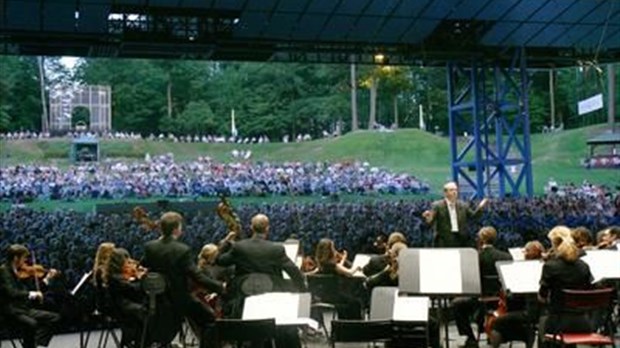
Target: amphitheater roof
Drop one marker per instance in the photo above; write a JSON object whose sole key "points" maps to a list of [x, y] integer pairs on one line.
{"points": [[554, 33]]}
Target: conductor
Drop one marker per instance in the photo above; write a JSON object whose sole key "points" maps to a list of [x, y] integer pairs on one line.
{"points": [[449, 218]]}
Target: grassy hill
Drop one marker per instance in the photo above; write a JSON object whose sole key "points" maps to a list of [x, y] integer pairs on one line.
{"points": [[408, 150]]}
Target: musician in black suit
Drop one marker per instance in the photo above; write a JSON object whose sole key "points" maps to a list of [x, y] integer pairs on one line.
{"points": [[450, 217], [464, 307], [16, 302], [174, 260], [258, 256], [377, 263]]}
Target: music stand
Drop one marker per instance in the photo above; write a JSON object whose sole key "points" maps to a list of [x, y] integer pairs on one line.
{"points": [[517, 254], [285, 307], [520, 277], [604, 264], [440, 273]]}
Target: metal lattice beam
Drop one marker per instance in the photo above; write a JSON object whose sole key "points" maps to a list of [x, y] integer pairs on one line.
{"points": [[489, 103]]}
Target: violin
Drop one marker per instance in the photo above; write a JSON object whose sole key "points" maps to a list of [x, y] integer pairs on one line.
{"points": [[132, 270], [31, 271]]}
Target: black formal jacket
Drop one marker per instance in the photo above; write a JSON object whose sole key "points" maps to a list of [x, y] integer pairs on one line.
{"points": [[487, 258], [174, 260], [558, 274], [444, 237], [13, 293], [256, 255], [375, 265]]}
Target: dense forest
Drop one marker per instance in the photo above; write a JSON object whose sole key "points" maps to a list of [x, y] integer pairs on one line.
{"points": [[273, 99]]}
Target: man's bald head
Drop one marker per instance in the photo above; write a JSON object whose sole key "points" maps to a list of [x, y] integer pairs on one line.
{"points": [[260, 224]]}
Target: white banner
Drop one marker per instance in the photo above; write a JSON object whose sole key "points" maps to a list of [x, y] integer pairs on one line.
{"points": [[591, 104]]}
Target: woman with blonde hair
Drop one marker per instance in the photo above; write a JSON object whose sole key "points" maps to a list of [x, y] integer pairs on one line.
{"points": [[563, 271]]}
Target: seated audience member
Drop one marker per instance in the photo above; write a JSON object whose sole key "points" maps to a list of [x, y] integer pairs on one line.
{"points": [[564, 271], [465, 307], [36, 327]]}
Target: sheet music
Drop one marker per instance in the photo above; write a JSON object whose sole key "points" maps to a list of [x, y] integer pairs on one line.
{"points": [[517, 254], [291, 249], [360, 260], [79, 285], [520, 277], [440, 271], [604, 264], [282, 306], [410, 308]]}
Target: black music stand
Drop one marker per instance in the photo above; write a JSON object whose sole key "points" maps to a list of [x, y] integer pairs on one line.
{"points": [[408, 316], [440, 273]]}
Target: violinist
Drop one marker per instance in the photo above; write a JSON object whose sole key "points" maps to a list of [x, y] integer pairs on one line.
{"points": [[16, 302], [389, 275], [378, 262], [329, 262], [126, 295]]}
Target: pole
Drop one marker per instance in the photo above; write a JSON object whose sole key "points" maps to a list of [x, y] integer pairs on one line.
{"points": [[611, 96], [552, 96]]}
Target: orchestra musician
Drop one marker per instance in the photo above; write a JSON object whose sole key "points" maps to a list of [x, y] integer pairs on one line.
{"points": [[609, 238], [257, 255], [35, 326], [565, 270], [389, 275], [328, 262], [464, 307], [449, 218], [125, 292], [514, 324], [173, 259], [377, 263]]}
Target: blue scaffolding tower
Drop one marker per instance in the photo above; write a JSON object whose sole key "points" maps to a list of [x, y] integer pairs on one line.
{"points": [[488, 101]]}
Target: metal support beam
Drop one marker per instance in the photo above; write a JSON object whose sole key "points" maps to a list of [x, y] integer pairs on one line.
{"points": [[489, 103]]}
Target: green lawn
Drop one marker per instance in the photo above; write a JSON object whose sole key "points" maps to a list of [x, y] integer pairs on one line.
{"points": [[422, 154]]}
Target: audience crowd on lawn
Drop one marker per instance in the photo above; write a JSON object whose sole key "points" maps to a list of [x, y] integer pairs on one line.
{"points": [[161, 176], [67, 240], [168, 137]]}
